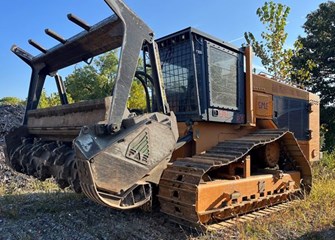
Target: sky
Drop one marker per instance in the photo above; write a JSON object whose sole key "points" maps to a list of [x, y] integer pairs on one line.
{"points": [[225, 19]]}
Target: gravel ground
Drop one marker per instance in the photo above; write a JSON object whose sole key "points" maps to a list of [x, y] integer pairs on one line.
{"points": [[26, 212], [62, 215], [10, 116], [57, 214]]}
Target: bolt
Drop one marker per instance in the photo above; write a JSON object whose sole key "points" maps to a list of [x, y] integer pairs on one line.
{"points": [[86, 129]]}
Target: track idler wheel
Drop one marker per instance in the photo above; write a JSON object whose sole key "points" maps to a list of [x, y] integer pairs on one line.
{"points": [[268, 154]]}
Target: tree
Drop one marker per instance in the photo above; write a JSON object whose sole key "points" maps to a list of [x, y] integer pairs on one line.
{"points": [[274, 57], [51, 100], [328, 128], [11, 101], [137, 97], [97, 79], [318, 45]]}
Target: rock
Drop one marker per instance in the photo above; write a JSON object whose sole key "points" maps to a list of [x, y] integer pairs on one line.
{"points": [[10, 116]]}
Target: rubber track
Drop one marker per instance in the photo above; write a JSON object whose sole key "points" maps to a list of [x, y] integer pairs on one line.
{"points": [[182, 209]]}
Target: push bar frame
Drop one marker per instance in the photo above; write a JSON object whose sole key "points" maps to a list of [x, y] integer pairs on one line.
{"points": [[124, 29]]}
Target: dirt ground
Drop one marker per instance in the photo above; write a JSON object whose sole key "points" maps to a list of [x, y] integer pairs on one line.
{"points": [[57, 214], [30, 209]]}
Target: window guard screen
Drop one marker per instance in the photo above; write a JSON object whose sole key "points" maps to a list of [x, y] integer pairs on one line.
{"points": [[179, 77], [223, 77]]}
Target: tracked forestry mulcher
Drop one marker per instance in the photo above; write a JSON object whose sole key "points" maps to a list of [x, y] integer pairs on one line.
{"points": [[214, 141]]}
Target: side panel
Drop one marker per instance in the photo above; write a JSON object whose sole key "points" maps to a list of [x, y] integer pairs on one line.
{"points": [[293, 108], [311, 148], [293, 114], [207, 135]]}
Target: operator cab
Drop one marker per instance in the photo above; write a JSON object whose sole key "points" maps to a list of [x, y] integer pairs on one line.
{"points": [[204, 77]]}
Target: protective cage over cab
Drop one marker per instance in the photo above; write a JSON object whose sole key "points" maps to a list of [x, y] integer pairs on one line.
{"points": [[204, 77]]}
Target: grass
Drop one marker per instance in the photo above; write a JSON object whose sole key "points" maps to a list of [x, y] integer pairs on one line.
{"points": [[35, 197], [12, 206], [31, 185], [311, 218], [46, 186], [14, 196]]}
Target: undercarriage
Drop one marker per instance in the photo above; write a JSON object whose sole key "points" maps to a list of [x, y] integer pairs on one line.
{"points": [[230, 179]]}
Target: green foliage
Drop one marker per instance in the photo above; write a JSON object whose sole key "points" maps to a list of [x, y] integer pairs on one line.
{"points": [[137, 97], [11, 101], [51, 100], [328, 127], [274, 57], [93, 81], [318, 47], [271, 49], [96, 81], [48, 101], [328, 161]]}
